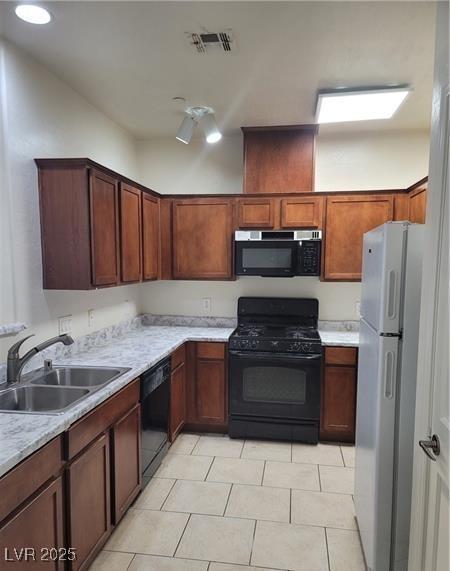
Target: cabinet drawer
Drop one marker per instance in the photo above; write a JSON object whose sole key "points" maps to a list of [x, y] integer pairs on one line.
{"points": [[211, 350], [23, 480], [101, 418], [178, 357], [341, 356]]}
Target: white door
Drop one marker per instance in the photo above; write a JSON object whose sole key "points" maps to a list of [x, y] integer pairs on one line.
{"points": [[429, 542], [375, 427], [381, 276]]}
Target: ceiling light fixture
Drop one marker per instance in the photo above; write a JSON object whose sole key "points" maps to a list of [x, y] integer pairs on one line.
{"points": [[33, 14], [204, 116], [186, 130], [365, 104]]}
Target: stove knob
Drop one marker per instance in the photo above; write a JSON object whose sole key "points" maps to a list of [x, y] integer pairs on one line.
{"points": [[254, 344], [244, 343], [274, 344]]}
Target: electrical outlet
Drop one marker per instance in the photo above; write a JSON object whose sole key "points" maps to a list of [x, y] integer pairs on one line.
{"points": [[91, 317], [358, 309], [65, 324], [206, 305]]}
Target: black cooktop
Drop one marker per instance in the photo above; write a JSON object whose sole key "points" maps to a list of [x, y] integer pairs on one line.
{"points": [[287, 325]]}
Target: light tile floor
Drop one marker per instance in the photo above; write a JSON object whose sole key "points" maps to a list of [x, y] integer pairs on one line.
{"points": [[218, 504]]}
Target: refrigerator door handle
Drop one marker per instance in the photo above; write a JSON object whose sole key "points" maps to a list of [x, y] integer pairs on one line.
{"points": [[392, 294], [389, 372]]}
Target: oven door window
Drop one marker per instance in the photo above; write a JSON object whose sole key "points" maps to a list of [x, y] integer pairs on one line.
{"points": [[274, 385], [268, 385]]}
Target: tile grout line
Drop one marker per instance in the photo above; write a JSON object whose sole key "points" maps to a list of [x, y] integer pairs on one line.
{"points": [[320, 480], [131, 561], [328, 551], [290, 505], [253, 543], [228, 499], [342, 455], [263, 473], [209, 469], [182, 535], [167, 497]]}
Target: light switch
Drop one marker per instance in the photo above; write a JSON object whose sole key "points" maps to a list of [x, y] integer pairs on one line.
{"points": [[91, 317], [206, 305]]}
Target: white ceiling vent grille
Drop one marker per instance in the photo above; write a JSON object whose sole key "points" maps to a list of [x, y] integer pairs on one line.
{"points": [[206, 42]]}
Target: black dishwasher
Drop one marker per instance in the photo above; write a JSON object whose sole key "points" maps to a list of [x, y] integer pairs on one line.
{"points": [[155, 398]]}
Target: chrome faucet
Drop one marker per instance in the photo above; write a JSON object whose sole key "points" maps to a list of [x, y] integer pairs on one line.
{"points": [[16, 363]]}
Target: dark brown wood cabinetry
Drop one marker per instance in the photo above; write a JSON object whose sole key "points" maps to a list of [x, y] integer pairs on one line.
{"points": [[150, 237], [37, 527], [89, 501], [279, 159], [126, 446], [338, 412], [130, 233], [418, 203], [207, 387], [96, 229], [202, 238], [256, 212], [177, 417], [347, 219], [305, 212]]}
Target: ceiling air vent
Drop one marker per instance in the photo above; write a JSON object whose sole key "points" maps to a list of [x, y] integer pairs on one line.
{"points": [[205, 42]]}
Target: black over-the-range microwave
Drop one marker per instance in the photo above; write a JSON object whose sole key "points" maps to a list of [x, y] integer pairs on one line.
{"points": [[284, 253]]}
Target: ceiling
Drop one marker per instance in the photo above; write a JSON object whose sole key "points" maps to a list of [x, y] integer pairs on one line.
{"points": [[131, 58]]}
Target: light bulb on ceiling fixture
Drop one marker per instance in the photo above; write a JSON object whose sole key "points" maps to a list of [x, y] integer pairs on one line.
{"points": [[212, 133], [186, 130], [33, 14]]}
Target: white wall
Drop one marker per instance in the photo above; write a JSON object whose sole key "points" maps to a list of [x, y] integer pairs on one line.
{"points": [[336, 300], [371, 161], [349, 161], [171, 167], [43, 117]]}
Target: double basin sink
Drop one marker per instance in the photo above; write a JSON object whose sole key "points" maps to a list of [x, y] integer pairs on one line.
{"points": [[53, 391]]}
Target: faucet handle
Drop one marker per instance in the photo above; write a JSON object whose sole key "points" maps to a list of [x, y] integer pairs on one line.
{"points": [[14, 349]]}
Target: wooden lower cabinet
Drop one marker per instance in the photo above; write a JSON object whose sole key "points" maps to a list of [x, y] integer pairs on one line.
{"points": [[207, 387], [89, 502], [37, 527], [126, 447], [339, 384], [177, 415]]}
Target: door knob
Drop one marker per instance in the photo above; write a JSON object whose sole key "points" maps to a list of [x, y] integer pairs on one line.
{"points": [[432, 447]]}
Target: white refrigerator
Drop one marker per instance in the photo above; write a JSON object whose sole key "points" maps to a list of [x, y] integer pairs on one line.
{"points": [[387, 366]]}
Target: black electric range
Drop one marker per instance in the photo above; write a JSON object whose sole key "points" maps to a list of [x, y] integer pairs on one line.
{"points": [[275, 364]]}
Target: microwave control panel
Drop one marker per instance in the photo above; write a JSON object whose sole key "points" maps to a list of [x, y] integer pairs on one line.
{"points": [[309, 258]]}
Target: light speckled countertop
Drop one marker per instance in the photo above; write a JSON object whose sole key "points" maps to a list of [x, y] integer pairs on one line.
{"points": [[135, 346]]}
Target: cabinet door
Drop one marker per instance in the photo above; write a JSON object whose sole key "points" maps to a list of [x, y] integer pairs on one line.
{"points": [[302, 212], [338, 404], [202, 238], [150, 236], [347, 219], [130, 233], [256, 213], [89, 502], [177, 400], [211, 392], [103, 193], [126, 461], [38, 525], [418, 205]]}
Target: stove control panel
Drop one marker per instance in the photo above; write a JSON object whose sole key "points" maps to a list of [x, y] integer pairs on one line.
{"points": [[274, 346]]}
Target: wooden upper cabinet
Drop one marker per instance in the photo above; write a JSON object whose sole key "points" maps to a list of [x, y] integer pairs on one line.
{"points": [[103, 195], [418, 204], [256, 212], [130, 233], [279, 159], [150, 237], [202, 238], [302, 212], [347, 219]]}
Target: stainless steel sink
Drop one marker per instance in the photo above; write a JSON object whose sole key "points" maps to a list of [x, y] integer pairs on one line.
{"points": [[39, 399], [77, 376], [53, 391]]}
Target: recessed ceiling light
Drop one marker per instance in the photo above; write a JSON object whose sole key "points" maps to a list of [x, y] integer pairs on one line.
{"points": [[33, 14], [342, 105]]}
